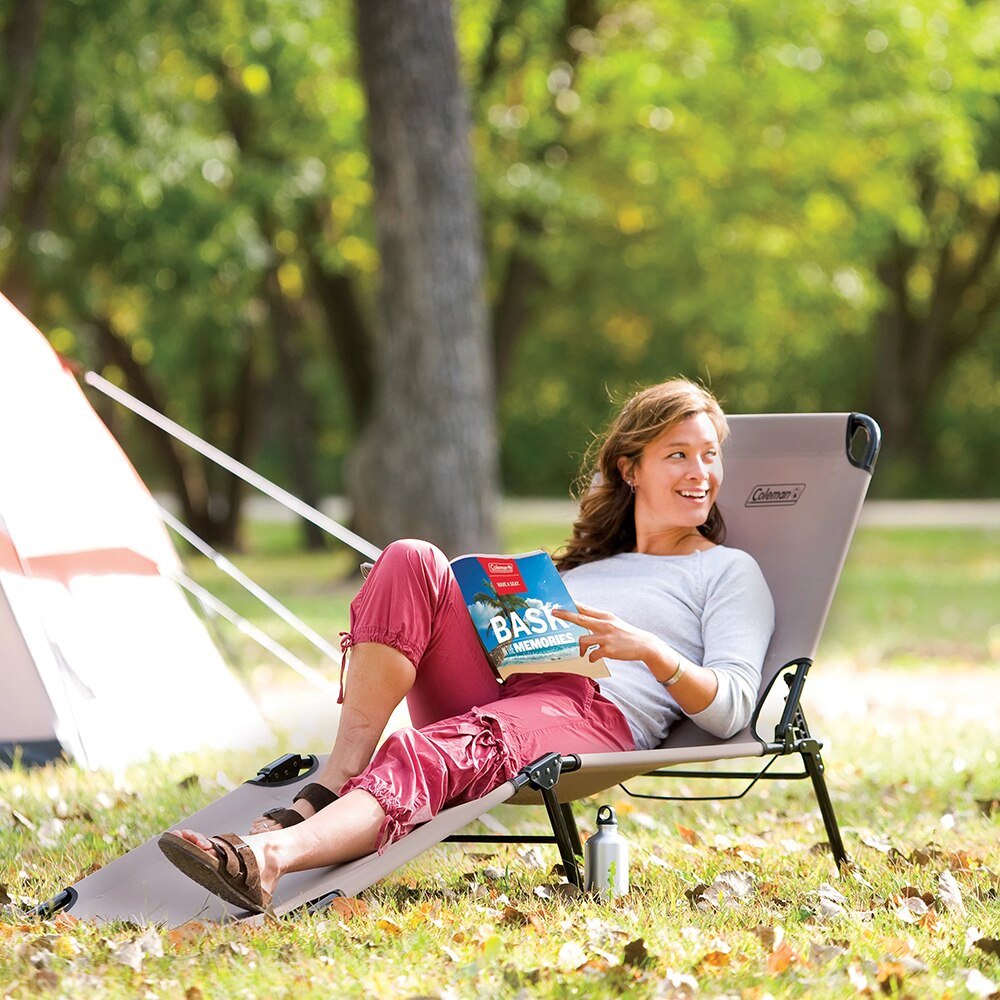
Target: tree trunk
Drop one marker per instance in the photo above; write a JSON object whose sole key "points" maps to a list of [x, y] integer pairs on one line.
{"points": [[20, 40], [298, 423], [917, 347], [426, 465]]}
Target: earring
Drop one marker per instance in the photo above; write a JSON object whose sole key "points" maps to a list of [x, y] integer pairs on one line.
{"points": [[631, 485]]}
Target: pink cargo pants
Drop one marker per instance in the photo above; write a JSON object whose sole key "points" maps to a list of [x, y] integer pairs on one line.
{"points": [[470, 733]]}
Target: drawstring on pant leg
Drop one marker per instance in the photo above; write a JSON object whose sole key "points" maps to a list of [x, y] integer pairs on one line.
{"points": [[346, 642]]}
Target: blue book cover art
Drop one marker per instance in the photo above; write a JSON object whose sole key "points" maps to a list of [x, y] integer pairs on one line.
{"points": [[510, 600]]}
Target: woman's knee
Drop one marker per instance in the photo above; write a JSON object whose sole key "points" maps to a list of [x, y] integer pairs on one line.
{"points": [[414, 554]]}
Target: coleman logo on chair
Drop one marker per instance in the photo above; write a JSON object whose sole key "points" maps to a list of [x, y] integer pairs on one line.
{"points": [[775, 495]]}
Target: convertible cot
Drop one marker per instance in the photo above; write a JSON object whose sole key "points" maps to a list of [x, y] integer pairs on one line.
{"points": [[792, 496]]}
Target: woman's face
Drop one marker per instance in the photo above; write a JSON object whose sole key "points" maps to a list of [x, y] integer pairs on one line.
{"points": [[677, 476]]}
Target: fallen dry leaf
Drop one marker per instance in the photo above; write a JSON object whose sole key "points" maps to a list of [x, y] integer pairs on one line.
{"points": [[389, 926], [718, 955], [681, 986], [858, 980], [821, 954], [890, 976], [977, 984], [781, 958], [729, 889], [512, 915], [912, 892], [769, 937], [636, 955], [897, 947], [688, 835], [348, 907], [128, 953], [571, 957], [44, 979], [909, 909], [876, 842], [186, 932], [950, 893], [557, 890]]}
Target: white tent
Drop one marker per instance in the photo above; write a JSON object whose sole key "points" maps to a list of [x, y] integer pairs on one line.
{"points": [[101, 655]]}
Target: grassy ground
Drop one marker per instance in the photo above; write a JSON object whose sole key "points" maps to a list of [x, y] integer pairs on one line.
{"points": [[729, 899]]}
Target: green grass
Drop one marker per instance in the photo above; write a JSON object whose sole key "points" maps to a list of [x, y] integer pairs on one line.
{"points": [[913, 781]]}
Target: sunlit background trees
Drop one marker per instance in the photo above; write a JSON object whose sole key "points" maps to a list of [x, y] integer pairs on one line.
{"points": [[797, 202]]}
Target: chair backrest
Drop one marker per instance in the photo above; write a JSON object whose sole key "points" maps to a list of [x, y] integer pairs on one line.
{"points": [[792, 495]]}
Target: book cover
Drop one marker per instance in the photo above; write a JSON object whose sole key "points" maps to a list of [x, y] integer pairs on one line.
{"points": [[510, 599]]}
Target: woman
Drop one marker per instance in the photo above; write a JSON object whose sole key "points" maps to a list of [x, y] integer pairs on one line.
{"points": [[682, 621]]}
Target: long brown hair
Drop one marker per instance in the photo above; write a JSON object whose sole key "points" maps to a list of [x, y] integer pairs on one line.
{"points": [[605, 524]]}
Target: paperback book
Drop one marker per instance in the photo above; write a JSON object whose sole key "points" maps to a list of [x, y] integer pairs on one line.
{"points": [[510, 600]]}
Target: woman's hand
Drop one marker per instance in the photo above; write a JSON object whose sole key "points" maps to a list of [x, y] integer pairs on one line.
{"points": [[610, 636], [695, 688]]}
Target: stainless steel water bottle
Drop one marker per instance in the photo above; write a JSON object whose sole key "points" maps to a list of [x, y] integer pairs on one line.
{"points": [[605, 857]]}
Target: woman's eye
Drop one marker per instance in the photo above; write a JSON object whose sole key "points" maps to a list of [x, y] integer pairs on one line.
{"points": [[676, 454]]}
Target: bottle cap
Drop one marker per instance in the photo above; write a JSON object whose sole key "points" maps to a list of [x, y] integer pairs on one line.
{"points": [[606, 816]]}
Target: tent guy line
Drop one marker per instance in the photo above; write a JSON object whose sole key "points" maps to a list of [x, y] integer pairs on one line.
{"points": [[237, 468], [251, 630], [269, 601]]}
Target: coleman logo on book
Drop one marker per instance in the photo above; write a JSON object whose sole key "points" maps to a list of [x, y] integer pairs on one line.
{"points": [[775, 495], [504, 575]]}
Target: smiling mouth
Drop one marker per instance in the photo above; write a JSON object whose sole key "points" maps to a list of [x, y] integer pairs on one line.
{"points": [[694, 494]]}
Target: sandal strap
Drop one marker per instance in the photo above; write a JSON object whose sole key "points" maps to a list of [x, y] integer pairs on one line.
{"points": [[284, 817], [318, 796], [240, 864]]}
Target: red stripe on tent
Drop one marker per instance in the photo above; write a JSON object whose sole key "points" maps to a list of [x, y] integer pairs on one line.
{"points": [[97, 562], [8, 555]]}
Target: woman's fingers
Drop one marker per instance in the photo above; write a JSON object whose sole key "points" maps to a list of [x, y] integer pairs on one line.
{"points": [[586, 609], [583, 616]]}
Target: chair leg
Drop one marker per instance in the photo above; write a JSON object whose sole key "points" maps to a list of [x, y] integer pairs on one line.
{"points": [[813, 761], [574, 834], [564, 838]]}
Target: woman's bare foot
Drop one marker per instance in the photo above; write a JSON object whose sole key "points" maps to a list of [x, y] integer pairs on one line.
{"points": [[267, 824]]}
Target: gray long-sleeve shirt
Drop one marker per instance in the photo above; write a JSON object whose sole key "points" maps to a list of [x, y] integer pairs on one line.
{"points": [[713, 607]]}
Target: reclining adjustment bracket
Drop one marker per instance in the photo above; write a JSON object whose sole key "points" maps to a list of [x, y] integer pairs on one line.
{"points": [[543, 773]]}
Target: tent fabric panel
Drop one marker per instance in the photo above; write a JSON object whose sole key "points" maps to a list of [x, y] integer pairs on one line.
{"points": [[131, 683], [127, 666], [82, 494], [26, 713]]}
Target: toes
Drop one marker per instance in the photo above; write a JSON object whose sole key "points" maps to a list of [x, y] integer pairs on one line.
{"points": [[197, 839]]}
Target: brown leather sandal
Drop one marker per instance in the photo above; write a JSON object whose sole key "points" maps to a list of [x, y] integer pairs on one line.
{"points": [[318, 796], [230, 871]]}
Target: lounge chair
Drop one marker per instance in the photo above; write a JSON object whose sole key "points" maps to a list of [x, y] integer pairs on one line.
{"points": [[792, 496]]}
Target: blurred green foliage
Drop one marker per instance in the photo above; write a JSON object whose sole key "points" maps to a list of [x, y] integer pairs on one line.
{"points": [[798, 203]]}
